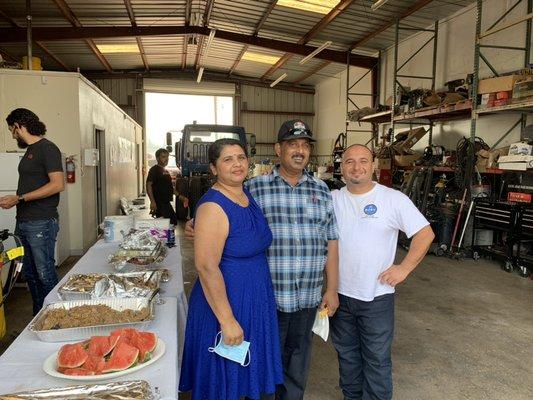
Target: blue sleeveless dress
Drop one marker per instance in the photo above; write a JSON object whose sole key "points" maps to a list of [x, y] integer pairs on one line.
{"points": [[251, 296]]}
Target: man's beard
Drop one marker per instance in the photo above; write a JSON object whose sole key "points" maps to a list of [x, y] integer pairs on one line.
{"points": [[21, 143]]}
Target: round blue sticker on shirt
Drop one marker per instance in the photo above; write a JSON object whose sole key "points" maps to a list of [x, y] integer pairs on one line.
{"points": [[370, 209]]}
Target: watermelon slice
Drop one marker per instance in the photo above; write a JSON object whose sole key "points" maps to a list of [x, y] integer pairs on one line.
{"points": [[146, 343], [127, 335], [71, 356], [77, 371], [95, 364], [100, 346], [123, 357]]}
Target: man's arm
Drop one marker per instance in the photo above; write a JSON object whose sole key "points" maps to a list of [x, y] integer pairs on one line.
{"points": [[331, 297], [150, 193], [55, 185], [419, 247]]}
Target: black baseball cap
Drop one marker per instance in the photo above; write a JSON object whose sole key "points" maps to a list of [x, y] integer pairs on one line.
{"points": [[294, 129]]}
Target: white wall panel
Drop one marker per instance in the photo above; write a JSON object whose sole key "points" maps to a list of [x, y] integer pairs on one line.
{"points": [[266, 125]]}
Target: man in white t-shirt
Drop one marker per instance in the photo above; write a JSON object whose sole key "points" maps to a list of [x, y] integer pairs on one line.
{"points": [[370, 217]]}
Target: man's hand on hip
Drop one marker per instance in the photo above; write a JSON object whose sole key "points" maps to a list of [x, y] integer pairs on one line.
{"points": [[394, 275], [331, 301], [189, 229]]}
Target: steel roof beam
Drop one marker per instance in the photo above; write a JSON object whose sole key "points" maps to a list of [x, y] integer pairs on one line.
{"points": [[207, 16], [188, 7], [69, 15], [13, 23], [312, 72], [131, 15], [313, 32], [256, 32], [411, 10], [65, 33]]}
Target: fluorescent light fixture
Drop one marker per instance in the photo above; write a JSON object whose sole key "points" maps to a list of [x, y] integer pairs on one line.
{"points": [[200, 73], [316, 6], [262, 58], [210, 39], [377, 4], [315, 52], [278, 80], [118, 48]]}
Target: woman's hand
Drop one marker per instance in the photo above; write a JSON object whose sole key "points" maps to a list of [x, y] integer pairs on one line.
{"points": [[232, 332]]}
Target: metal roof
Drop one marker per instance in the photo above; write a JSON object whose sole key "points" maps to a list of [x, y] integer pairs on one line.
{"points": [[243, 17]]}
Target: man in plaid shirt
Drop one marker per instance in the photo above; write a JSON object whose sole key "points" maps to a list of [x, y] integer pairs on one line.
{"points": [[299, 210]]}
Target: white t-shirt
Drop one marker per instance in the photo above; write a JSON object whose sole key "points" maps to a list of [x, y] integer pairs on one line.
{"points": [[368, 234]]}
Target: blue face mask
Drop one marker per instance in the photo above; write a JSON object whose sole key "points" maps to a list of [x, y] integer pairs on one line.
{"points": [[233, 353]]}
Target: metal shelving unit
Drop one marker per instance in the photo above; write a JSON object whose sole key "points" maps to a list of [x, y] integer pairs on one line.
{"points": [[520, 107]]}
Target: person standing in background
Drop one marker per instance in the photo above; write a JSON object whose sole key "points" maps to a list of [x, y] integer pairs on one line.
{"points": [[160, 190], [40, 182]]}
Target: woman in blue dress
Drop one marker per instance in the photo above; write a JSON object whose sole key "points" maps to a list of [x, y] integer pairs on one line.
{"points": [[234, 293]]}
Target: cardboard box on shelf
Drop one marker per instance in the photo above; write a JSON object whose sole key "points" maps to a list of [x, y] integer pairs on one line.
{"points": [[495, 155], [523, 89], [414, 136], [406, 160], [498, 84]]}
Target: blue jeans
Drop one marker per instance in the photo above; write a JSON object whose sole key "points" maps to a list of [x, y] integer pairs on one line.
{"points": [[39, 268], [362, 333]]}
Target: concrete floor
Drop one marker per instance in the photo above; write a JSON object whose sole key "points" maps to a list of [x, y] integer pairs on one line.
{"points": [[464, 330]]}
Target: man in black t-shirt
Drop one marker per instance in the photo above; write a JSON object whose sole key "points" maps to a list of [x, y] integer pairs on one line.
{"points": [[40, 181], [160, 190]]}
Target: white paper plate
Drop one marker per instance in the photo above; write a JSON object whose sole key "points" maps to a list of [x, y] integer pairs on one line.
{"points": [[50, 367]]}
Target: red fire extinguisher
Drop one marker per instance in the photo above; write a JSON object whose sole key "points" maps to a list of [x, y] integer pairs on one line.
{"points": [[71, 169]]}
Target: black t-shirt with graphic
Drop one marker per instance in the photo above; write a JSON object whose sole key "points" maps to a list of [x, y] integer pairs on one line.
{"points": [[161, 183], [40, 159]]}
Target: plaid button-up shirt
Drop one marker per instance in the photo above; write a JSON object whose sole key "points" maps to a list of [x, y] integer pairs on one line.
{"points": [[302, 221]]}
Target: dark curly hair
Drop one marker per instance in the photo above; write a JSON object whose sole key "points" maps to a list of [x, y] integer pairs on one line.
{"points": [[28, 119]]}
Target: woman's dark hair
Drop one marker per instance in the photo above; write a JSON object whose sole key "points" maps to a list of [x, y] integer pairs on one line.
{"points": [[28, 119], [216, 148]]}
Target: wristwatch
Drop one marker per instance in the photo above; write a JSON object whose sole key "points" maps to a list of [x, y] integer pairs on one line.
{"points": [[21, 199]]}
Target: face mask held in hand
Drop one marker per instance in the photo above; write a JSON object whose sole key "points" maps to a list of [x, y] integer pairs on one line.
{"points": [[233, 353]]}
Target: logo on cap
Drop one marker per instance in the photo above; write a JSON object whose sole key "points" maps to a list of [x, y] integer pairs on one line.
{"points": [[299, 125]]}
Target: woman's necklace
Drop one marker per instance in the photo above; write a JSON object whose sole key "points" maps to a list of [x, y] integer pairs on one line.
{"points": [[241, 200]]}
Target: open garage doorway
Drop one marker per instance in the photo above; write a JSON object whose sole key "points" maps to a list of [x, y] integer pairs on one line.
{"points": [[168, 112]]}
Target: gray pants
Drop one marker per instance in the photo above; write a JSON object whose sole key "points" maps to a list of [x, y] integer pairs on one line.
{"points": [[296, 337]]}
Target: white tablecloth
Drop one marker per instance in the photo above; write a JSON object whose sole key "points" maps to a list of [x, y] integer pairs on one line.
{"points": [[21, 364]]}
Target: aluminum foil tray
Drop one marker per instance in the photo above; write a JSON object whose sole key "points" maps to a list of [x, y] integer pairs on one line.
{"points": [[122, 284], [73, 334], [127, 390]]}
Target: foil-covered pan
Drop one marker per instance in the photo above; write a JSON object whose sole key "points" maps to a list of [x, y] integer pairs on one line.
{"points": [[127, 390], [148, 252], [126, 284], [140, 306]]}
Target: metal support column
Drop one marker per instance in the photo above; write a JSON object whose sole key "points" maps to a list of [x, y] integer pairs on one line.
{"points": [[394, 80], [29, 34]]}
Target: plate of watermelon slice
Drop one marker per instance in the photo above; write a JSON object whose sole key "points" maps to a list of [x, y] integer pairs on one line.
{"points": [[123, 352]]}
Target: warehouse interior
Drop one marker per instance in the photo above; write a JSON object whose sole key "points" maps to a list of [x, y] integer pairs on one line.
{"points": [[440, 90]]}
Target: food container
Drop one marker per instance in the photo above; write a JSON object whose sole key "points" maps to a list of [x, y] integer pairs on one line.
{"points": [[131, 390], [80, 333], [125, 284]]}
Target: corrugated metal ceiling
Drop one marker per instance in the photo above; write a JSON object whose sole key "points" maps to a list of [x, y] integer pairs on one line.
{"points": [[239, 16]]}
